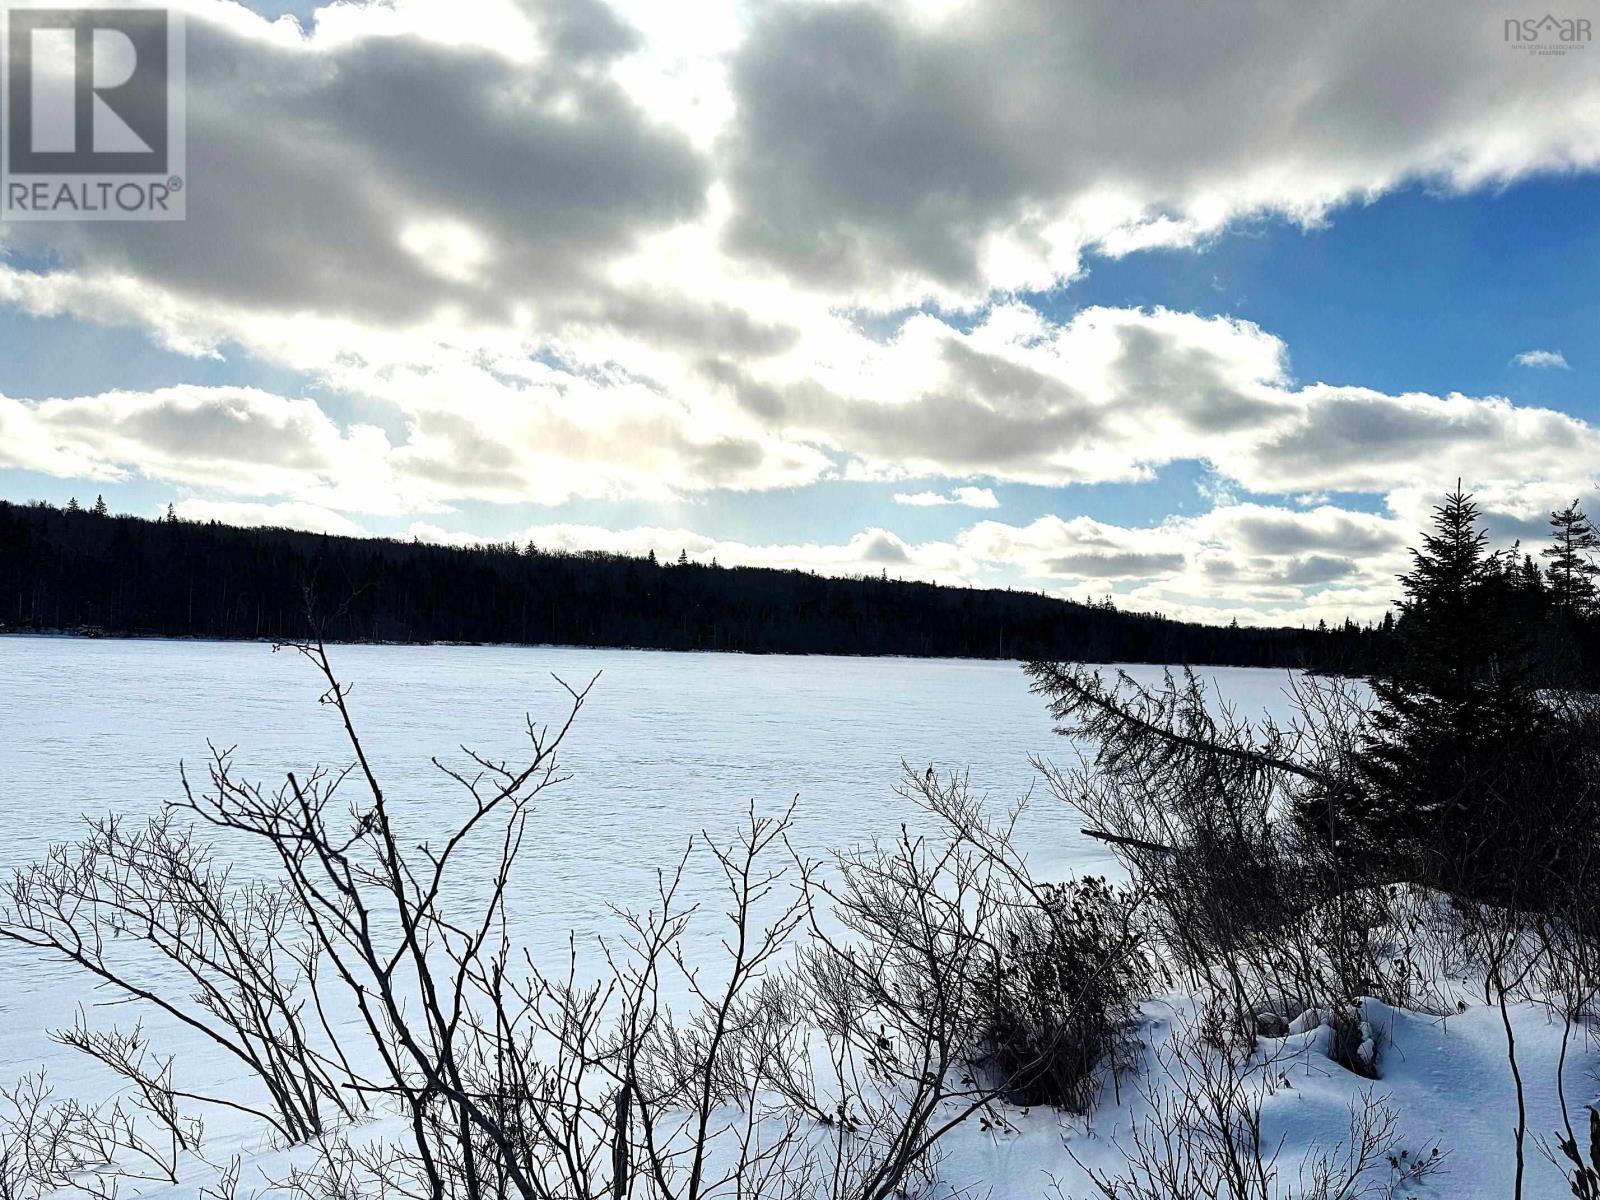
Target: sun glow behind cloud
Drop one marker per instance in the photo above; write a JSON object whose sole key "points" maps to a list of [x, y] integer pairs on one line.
{"points": [[579, 252]]}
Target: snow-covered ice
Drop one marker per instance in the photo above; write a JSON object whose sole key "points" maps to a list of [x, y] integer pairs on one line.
{"points": [[671, 744]]}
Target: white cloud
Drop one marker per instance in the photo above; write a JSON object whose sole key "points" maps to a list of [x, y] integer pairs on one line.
{"points": [[869, 552], [557, 249], [1542, 358], [543, 439], [1112, 394], [26, 445], [969, 497], [1261, 564], [566, 167], [874, 154], [285, 515], [1115, 394], [399, 164], [234, 440]]}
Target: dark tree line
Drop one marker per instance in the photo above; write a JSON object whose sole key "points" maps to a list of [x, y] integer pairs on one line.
{"points": [[74, 570]]}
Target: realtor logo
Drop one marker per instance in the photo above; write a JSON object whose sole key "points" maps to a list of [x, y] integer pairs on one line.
{"points": [[94, 120], [1548, 36]]}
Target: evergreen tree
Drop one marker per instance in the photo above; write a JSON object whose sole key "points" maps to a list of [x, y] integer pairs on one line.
{"points": [[72, 505], [1458, 709], [683, 558], [172, 513], [100, 508], [1532, 581], [1572, 569]]}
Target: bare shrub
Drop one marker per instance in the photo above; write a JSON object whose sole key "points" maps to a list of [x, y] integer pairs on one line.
{"points": [[859, 1009], [1199, 806], [49, 1145], [1059, 1002], [42, 1141], [894, 974], [1568, 979], [126, 889]]}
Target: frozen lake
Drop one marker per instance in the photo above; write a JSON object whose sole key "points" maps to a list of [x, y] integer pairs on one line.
{"points": [[668, 745]]}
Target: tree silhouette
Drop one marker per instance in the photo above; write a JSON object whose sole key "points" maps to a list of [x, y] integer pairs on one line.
{"points": [[1460, 707], [1572, 569]]}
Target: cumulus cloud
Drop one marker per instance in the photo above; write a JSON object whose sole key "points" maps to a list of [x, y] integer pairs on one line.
{"points": [[529, 164], [868, 552], [387, 172], [560, 442], [240, 440], [284, 515], [1544, 359], [1109, 395], [1257, 563], [874, 151], [558, 249], [968, 497], [1114, 394], [1101, 397], [27, 446], [1356, 439]]}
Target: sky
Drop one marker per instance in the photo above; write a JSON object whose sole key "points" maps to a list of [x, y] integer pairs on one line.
{"points": [[1199, 308]]}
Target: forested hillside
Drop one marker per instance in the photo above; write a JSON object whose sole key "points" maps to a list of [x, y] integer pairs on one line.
{"points": [[85, 571]]}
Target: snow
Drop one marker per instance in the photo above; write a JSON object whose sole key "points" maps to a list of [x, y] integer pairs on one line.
{"points": [[1446, 1079], [669, 745]]}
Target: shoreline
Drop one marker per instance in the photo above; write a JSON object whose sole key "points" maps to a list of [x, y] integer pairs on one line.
{"points": [[58, 635]]}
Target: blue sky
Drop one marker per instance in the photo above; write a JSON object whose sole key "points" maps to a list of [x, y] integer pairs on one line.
{"points": [[1416, 291], [777, 340]]}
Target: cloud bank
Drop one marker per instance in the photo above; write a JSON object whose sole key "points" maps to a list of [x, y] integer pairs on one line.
{"points": [[572, 250]]}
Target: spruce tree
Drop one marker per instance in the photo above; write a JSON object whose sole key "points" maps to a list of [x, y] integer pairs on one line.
{"points": [[1572, 569], [1458, 707], [1532, 582], [100, 509]]}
